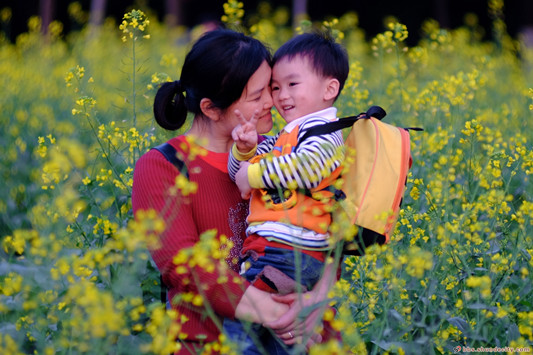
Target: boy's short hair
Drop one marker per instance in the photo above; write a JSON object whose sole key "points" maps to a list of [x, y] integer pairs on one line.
{"points": [[327, 57]]}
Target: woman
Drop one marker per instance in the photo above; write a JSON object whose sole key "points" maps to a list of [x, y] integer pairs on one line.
{"points": [[223, 73]]}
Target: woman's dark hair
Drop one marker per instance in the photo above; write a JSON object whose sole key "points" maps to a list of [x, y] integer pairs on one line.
{"points": [[217, 67]]}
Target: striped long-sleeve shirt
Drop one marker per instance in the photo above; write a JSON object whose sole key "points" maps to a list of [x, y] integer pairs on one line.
{"points": [[305, 167], [315, 159]]}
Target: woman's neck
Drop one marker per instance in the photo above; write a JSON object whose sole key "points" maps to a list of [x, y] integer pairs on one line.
{"points": [[209, 137]]}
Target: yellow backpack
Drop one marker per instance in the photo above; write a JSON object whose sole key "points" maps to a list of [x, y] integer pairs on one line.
{"points": [[375, 177]]}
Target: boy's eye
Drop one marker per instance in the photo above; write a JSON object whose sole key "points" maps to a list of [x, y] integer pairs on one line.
{"points": [[293, 84], [275, 88]]}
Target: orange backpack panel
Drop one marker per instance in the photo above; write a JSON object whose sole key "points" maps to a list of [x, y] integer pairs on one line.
{"points": [[378, 159]]}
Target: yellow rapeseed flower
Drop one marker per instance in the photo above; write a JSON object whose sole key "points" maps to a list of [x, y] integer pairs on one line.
{"points": [[133, 25], [11, 284], [233, 12], [483, 283]]}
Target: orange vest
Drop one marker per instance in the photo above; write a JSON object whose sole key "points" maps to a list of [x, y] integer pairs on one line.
{"points": [[309, 210]]}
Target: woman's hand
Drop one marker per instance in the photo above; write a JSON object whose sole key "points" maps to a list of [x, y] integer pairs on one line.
{"points": [[258, 307], [303, 320]]}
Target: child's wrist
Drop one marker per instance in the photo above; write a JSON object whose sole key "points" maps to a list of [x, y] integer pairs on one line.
{"points": [[243, 153]]}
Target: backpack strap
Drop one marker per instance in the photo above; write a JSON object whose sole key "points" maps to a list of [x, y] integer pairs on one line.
{"points": [[169, 152], [341, 123], [326, 128]]}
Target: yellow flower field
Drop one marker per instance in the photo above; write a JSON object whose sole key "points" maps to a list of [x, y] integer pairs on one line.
{"points": [[76, 114]]}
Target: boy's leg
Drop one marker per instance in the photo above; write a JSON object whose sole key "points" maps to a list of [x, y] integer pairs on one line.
{"points": [[275, 346], [296, 266], [249, 338]]}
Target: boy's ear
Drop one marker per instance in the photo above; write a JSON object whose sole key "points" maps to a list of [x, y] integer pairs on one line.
{"points": [[332, 89], [209, 110]]}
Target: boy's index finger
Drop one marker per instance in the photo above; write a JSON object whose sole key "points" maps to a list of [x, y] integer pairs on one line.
{"points": [[255, 117], [240, 116], [246, 122]]}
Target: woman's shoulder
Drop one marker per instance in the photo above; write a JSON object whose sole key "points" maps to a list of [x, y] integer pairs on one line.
{"points": [[173, 144], [155, 159], [183, 153]]}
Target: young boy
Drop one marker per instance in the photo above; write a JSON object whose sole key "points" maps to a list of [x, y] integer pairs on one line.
{"points": [[288, 178]]}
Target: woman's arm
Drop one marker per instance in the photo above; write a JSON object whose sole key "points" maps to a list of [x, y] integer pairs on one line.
{"points": [[220, 287], [306, 309]]}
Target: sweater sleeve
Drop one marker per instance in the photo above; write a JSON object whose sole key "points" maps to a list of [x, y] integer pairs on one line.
{"points": [[314, 160], [221, 287]]}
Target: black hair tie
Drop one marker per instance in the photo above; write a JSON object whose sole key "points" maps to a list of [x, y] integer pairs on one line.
{"points": [[178, 88]]}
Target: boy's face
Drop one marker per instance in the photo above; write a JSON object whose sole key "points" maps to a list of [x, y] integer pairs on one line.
{"points": [[297, 90]]}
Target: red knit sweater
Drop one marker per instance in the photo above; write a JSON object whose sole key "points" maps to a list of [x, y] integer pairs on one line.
{"points": [[216, 205]]}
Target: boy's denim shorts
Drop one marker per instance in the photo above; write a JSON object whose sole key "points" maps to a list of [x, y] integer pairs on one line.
{"points": [[254, 339], [300, 267]]}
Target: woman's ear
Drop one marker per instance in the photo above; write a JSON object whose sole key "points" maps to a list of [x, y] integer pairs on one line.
{"points": [[332, 89], [209, 110]]}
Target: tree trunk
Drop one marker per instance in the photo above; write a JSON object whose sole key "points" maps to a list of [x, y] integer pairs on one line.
{"points": [[97, 15], [174, 13], [299, 11], [46, 11], [442, 13]]}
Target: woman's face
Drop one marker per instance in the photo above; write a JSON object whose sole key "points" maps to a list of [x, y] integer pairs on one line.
{"points": [[256, 96]]}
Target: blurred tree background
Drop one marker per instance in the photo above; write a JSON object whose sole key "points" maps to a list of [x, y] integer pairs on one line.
{"points": [[449, 13]]}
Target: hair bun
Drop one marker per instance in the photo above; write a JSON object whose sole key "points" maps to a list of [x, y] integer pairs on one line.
{"points": [[170, 111]]}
